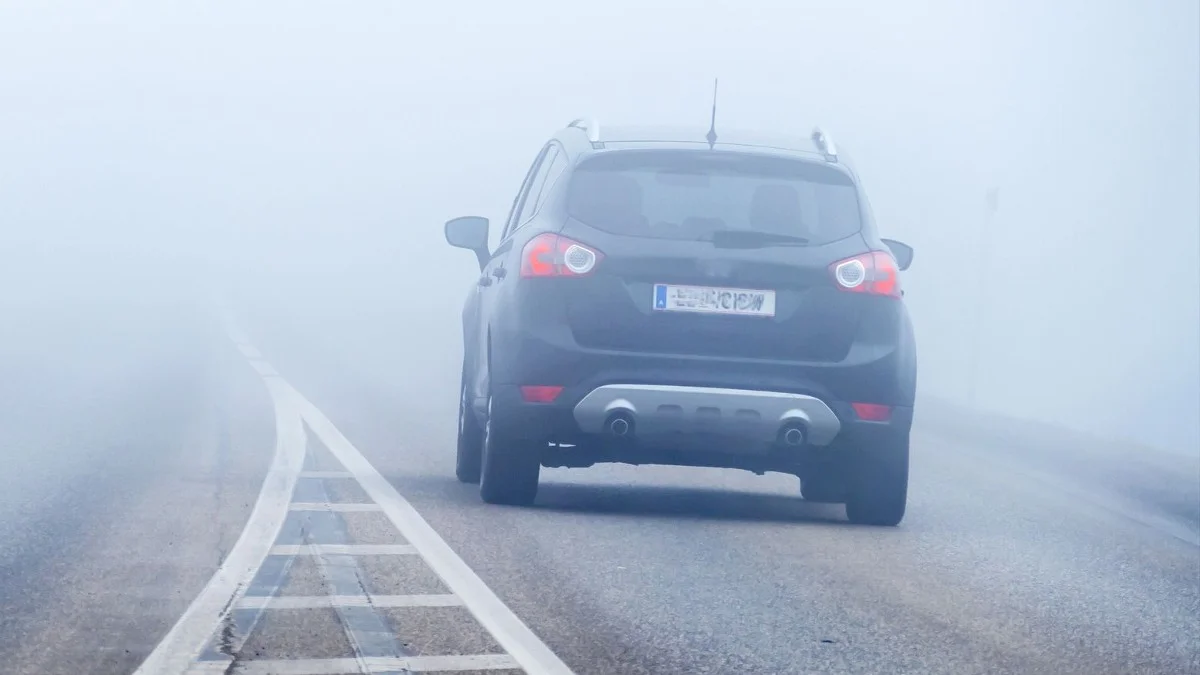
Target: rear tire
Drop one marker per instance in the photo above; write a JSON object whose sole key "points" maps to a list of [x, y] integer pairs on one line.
{"points": [[469, 458], [511, 467], [878, 486]]}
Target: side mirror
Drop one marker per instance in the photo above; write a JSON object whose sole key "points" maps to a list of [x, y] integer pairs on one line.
{"points": [[902, 251], [471, 233]]}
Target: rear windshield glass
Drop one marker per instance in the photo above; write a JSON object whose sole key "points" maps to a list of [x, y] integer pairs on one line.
{"points": [[691, 194]]}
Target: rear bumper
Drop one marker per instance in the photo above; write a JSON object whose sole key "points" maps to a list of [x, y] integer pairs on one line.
{"points": [[663, 411], [579, 414]]}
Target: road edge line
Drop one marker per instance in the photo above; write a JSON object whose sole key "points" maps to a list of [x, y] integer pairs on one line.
{"points": [[184, 642]]}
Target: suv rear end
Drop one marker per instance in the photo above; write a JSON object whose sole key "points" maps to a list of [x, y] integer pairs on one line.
{"points": [[727, 306]]}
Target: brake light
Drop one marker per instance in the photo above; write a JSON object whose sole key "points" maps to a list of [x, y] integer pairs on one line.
{"points": [[874, 273], [540, 394], [872, 412], [552, 255]]}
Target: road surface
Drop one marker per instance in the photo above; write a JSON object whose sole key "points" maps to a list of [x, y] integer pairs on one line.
{"points": [[139, 441]]}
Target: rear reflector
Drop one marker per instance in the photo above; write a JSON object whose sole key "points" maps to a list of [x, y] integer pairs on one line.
{"points": [[872, 412], [540, 394]]}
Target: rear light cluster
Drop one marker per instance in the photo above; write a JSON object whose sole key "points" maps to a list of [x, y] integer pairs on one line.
{"points": [[540, 393], [874, 273], [552, 255], [872, 412]]}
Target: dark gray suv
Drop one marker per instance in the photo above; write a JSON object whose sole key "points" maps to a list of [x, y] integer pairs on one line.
{"points": [[657, 298]]}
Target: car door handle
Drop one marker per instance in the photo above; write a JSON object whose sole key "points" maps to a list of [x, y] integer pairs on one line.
{"points": [[499, 272], [485, 280]]}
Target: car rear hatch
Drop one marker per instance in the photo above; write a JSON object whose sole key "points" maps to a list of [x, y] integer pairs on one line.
{"points": [[714, 253]]}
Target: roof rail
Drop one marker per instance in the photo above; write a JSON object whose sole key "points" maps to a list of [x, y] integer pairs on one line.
{"points": [[591, 127], [825, 144]]}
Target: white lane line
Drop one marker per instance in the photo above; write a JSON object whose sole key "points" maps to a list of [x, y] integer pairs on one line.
{"points": [[510, 632], [343, 549], [240, 339], [334, 506], [327, 601], [326, 474], [415, 664], [188, 637], [263, 368], [249, 351], [213, 668]]}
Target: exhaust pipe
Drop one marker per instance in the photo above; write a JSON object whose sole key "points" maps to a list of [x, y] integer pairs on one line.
{"points": [[792, 435], [620, 425]]}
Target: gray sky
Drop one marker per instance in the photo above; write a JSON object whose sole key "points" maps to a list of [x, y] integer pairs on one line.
{"points": [[297, 136]]}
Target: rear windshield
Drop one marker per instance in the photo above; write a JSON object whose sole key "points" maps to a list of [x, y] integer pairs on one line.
{"points": [[691, 194]]}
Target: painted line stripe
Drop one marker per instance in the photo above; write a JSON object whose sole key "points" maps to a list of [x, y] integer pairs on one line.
{"points": [[343, 549], [239, 338], [509, 631], [326, 474], [263, 368], [415, 664], [216, 667], [191, 633], [327, 601], [249, 351], [333, 506]]}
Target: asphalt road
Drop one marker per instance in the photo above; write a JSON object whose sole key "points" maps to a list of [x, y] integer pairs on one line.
{"points": [[132, 445], [134, 451]]}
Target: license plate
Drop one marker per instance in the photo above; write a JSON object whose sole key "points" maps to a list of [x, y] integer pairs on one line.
{"points": [[708, 300]]}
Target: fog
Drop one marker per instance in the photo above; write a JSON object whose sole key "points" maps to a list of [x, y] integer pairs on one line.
{"points": [[303, 157]]}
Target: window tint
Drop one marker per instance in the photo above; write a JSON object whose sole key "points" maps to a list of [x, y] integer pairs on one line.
{"points": [[529, 207], [689, 195], [557, 165], [519, 199]]}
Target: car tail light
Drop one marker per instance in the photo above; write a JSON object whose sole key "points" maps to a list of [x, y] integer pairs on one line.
{"points": [[872, 412], [552, 255], [874, 273], [540, 394]]}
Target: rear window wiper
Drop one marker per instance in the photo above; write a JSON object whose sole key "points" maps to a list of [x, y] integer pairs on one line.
{"points": [[752, 239]]}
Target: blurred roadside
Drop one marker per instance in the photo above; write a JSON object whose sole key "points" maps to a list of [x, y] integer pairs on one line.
{"points": [[1163, 485]]}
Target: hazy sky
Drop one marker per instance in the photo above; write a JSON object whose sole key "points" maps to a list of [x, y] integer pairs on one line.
{"points": [[300, 135]]}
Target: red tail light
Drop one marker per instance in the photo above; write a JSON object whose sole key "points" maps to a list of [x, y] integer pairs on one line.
{"points": [[872, 412], [874, 273], [552, 255], [540, 394]]}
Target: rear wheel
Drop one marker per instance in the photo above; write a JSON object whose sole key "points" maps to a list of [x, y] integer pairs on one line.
{"points": [[878, 486], [467, 465], [511, 467]]}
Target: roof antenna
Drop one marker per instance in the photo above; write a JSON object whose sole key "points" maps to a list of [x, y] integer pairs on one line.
{"points": [[712, 130]]}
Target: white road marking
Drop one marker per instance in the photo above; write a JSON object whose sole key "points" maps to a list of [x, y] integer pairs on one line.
{"points": [[240, 339], [249, 351], [326, 474], [179, 650], [327, 601], [213, 668], [416, 664], [343, 549], [510, 632], [263, 368], [188, 637], [334, 506]]}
